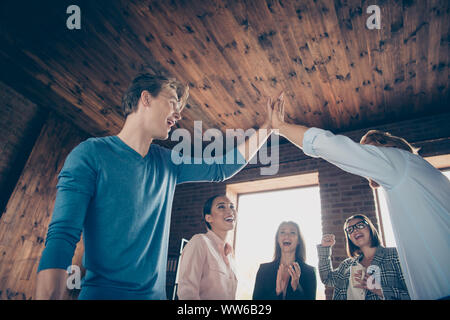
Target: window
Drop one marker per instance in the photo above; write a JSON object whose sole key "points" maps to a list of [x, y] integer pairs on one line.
{"points": [[447, 173], [385, 220], [259, 215]]}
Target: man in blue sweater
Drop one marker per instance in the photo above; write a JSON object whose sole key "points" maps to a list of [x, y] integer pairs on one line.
{"points": [[118, 191]]}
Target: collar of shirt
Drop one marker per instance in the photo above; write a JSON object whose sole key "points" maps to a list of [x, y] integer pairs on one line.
{"points": [[223, 247], [379, 254]]}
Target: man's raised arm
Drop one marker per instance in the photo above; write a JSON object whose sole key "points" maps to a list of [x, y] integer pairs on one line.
{"points": [[367, 161], [219, 168], [255, 142]]}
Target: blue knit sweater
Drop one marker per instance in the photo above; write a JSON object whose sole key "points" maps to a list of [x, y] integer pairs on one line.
{"points": [[121, 202]]}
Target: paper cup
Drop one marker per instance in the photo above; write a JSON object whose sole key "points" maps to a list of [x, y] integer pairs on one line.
{"points": [[353, 271]]}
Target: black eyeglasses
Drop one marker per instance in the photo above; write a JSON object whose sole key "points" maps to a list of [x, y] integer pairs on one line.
{"points": [[359, 225]]}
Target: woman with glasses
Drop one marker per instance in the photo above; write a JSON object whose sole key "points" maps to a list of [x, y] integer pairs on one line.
{"points": [[372, 272], [287, 277]]}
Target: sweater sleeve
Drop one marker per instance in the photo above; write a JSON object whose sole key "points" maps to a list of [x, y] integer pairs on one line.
{"points": [[192, 169], [76, 185]]}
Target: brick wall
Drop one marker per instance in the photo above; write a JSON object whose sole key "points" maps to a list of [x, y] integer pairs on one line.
{"points": [[342, 194]]}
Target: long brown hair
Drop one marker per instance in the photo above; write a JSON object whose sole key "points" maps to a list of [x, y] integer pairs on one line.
{"points": [[300, 250], [352, 249], [385, 139]]}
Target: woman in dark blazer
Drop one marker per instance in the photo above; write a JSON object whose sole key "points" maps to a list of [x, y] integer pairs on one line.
{"points": [[287, 277]]}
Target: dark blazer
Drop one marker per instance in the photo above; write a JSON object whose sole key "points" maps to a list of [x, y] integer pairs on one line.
{"points": [[266, 278]]}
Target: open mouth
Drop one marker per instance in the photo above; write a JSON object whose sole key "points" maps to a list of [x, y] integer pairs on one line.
{"points": [[359, 236], [229, 219], [170, 123], [286, 243]]}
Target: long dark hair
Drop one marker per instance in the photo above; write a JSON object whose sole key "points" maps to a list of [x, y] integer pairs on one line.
{"points": [[300, 250], [352, 249], [385, 139]]}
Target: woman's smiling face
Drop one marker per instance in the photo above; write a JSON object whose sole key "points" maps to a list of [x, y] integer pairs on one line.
{"points": [[287, 237], [223, 214], [359, 237]]}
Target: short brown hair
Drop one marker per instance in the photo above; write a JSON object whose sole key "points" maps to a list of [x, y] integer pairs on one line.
{"points": [[153, 84], [385, 139], [353, 250]]}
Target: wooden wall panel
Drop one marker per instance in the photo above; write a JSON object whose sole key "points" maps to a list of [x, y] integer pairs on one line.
{"points": [[20, 124], [337, 74], [23, 226]]}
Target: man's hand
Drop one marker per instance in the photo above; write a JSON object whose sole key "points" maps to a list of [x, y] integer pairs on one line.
{"points": [[51, 284], [278, 112], [274, 113], [256, 141], [294, 133]]}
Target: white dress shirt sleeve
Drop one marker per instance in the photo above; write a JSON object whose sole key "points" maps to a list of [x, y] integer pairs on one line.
{"points": [[386, 166]]}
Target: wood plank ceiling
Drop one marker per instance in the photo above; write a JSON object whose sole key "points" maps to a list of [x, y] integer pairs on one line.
{"points": [[336, 73]]}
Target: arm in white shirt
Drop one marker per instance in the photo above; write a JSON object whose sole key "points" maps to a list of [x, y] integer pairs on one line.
{"points": [[383, 165]]}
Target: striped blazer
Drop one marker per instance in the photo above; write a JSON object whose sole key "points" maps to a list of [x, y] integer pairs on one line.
{"points": [[391, 276]]}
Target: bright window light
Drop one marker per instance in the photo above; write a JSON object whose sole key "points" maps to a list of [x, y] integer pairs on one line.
{"points": [[259, 216], [447, 173], [386, 220]]}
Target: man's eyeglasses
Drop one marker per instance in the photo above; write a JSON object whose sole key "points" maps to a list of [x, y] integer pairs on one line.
{"points": [[176, 104], [359, 225]]}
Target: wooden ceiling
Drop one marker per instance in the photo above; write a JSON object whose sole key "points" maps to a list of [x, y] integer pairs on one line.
{"points": [[336, 73]]}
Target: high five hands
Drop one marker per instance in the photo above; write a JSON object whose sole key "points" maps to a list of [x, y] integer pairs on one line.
{"points": [[285, 272], [274, 112], [274, 121]]}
